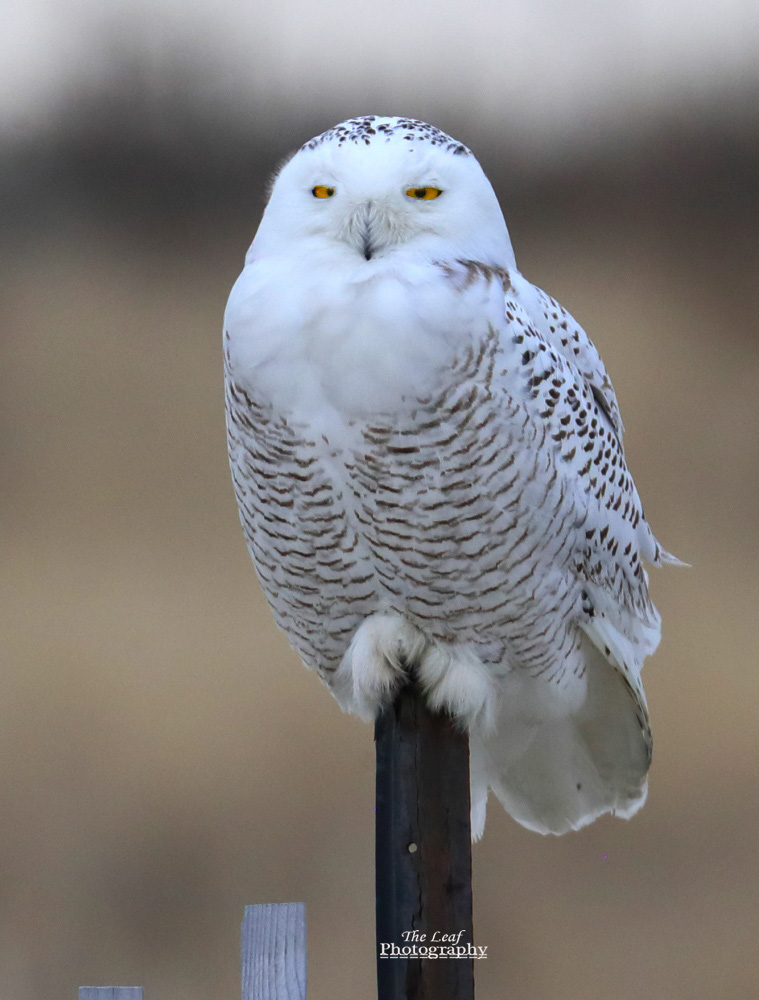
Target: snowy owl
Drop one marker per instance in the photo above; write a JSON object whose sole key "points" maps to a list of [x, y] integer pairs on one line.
{"points": [[427, 457]]}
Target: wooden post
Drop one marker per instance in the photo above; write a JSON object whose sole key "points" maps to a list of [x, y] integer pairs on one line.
{"points": [[274, 952], [110, 993], [423, 851]]}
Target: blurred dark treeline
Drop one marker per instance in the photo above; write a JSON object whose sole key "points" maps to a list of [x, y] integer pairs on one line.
{"points": [[151, 147]]}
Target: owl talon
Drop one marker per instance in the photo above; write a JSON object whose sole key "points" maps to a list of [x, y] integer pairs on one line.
{"points": [[455, 680], [373, 668]]}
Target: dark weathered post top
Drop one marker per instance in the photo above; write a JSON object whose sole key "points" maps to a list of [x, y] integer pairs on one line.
{"points": [[423, 852]]}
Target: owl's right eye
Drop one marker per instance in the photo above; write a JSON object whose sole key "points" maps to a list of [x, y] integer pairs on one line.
{"points": [[320, 191]]}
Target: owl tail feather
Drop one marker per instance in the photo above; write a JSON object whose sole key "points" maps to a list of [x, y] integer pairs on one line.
{"points": [[557, 772]]}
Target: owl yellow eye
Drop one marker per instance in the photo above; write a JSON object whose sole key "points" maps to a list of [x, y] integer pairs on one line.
{"points": [[424, 194], [320, 191]]}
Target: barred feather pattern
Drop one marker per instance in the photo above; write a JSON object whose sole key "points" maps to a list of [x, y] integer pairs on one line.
{"points": [[491, 513]]}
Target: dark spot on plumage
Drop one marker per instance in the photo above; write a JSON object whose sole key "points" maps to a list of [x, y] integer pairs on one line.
{"points": [[358, 130]]}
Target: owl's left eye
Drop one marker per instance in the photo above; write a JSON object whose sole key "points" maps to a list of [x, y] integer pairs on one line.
{"points": [[423, 193], [322, 191]]}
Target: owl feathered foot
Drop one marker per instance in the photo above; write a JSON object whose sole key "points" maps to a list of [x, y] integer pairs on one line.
{"points": [[375, 666]]}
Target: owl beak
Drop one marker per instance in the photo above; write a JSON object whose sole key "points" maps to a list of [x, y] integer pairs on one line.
{"points": [[367, 228], [367, 241], [364, 230]]}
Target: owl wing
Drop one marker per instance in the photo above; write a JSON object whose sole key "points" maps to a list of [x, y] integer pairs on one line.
{"points": [[553, 368], [564, 419], [559, 329]]}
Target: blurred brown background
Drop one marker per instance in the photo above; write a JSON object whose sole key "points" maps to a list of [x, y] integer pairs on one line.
{"points": [[164, 758]]}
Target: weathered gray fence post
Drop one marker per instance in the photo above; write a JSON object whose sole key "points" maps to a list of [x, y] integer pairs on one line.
{"points": [[110, 993], [274, 952], [423, 852]]}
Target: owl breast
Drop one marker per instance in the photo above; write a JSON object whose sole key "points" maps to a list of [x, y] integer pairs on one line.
{"points": [[352, 341], [426, 510]]}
